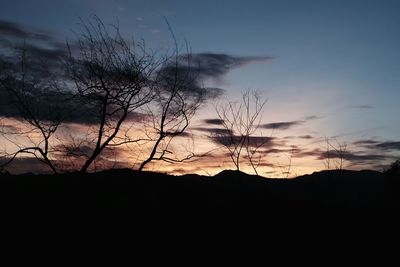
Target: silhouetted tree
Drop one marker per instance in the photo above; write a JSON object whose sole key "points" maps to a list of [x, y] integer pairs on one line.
{"points": [[177, 98], [108, 82], [35, 99], [111, 75], [241, 122], [336, 154], [394, 170]]}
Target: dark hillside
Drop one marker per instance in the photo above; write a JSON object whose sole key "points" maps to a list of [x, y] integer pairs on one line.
{"points": [[227, 191]]}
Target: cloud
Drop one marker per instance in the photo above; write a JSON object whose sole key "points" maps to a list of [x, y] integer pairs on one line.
{"points": [[214, 66], [39, 45], [137, 117], [214, 131], [7, 128], [284, 125], [254, 141], [14, 30], [361, 157], [281, 125], [379, 145], [312, 117], [48, 54], [27, 165], [388, 146], [49, 106], [366, 142], [298, 153], [364, 106], [305, 136], [192, 70], [354, 157], [214, 121], [276, 151], [42, 45]]}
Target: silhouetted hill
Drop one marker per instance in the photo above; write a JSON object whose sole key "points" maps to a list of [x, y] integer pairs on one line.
{"points": [[123, 189]]}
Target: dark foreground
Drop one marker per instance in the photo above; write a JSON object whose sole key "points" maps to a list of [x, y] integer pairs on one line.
{"points": [[123, 204], [229, 191]]}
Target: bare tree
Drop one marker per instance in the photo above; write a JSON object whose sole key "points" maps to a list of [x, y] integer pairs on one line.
{"points": [[177, 98], [111, 76], [341, 154], [241, 123], [107, 80], [286, 170], [327, 161], [34, 99], [337, 152]]}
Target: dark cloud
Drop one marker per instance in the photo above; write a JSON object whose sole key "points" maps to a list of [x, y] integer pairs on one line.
{"points": [[48, 106], [11, 29], [298, 153], [366, 142], [43, 47], [276, 151], [305, 136], [213, 131], [281, 125], [212, 65], [254, 141], [137, 117], [284, 125], [39, 45], [354, 157], [8, 128], [312, 117], [82, 149], [213, 92], [193, 69], [378, 145], [27, 165], [388, 146], [214, 121], [364, 106], [47, 54]]}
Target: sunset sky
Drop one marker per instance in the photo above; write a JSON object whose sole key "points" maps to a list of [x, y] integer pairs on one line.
{"points": [[329, 68]]}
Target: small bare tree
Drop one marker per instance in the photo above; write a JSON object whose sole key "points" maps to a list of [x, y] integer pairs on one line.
{"points": [[111, 76], [337, 153], [241, 123], [35, 97], [177, 98]]}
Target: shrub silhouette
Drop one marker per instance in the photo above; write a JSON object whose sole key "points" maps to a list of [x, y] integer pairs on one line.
{"points": [[394, 170]]}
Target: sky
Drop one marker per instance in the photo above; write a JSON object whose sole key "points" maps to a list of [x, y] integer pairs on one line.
{"points": [[329, 69]]}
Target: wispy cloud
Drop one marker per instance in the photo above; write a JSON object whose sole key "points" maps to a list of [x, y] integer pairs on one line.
{"points": [[367, 142], [214, 66], [379, 145], [307, 136], [284, 125], [10, 29], [359, 157], [363, 106], [253, 141], [38, 44], [196, 68], [214, 121], [312, 117], [213, 131]]}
